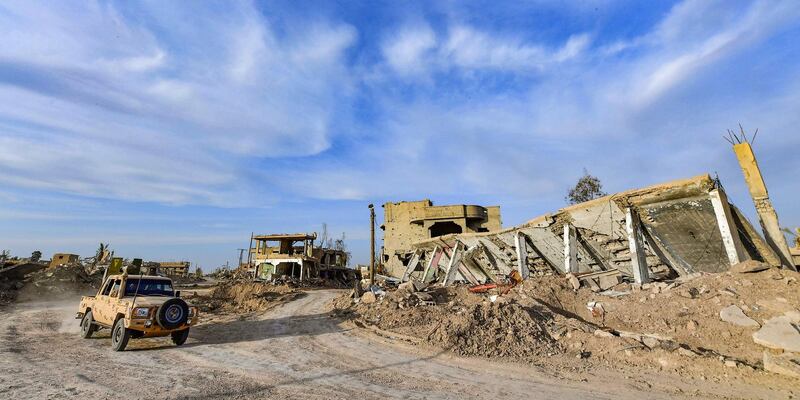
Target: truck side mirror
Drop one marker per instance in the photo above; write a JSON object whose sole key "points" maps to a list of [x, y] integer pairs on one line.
{"points": [[177, 293]]}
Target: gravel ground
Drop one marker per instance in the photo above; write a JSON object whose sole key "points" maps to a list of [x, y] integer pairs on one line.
{"points": [[294, 350]]}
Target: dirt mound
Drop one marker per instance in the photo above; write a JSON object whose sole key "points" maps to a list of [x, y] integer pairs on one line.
{"points": [[67, 281], [243, 297], [492, 329], [462, 322]]}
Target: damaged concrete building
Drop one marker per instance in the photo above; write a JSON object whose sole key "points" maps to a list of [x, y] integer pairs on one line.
{"points": [[63, 259], [408, 222], [662, 231], [174, 268], [294, 256]]}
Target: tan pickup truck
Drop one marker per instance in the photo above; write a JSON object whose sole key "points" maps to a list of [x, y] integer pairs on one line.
{"points": [[137, 306]]}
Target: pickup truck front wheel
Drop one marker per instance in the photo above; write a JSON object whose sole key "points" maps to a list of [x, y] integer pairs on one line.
{"points": [[87, 325], [120, 335], [179, 337]]}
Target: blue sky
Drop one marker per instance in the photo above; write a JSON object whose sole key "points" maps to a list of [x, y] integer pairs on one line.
{"points": [[174, 129]]}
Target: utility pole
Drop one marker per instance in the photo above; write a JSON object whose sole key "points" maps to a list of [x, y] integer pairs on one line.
{"points": [[372, 245], [250, 250], [241, 256]]}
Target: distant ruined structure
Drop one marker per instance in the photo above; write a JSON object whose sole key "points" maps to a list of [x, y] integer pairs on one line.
{"points": [[294, 256]]}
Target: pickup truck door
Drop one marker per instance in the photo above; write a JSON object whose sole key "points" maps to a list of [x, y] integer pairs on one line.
{"points": [[102, 309]]}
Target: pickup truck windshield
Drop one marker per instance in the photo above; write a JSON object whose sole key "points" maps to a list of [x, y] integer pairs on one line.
{"points": [[149, 287]]}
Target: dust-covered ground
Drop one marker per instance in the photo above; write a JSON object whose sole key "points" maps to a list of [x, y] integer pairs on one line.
{"points": [[672, 331], [295, 349]]}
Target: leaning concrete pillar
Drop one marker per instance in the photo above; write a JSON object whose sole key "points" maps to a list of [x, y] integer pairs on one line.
{"points": [[570, 250], [766, 213], [727, 227], [522, 254], [636, 244]]}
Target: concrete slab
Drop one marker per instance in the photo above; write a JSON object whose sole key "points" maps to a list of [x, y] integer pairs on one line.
{"points": [[780, 333], [785, 364], [735, 315]]}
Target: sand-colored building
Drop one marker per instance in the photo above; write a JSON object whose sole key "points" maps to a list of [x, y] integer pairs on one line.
{"points": [[175, 268], [294, 255], [407, 222], [63, 259]]}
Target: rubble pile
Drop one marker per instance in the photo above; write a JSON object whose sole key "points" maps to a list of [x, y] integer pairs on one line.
{"points": [[186, 280], [8, 290], [52, 283], [460, 321], [719, 313], [497, 329], [242, 297], [739, 322]]}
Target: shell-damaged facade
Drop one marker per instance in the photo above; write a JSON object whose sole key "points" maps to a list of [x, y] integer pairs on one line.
{"points": [[408, 222]]}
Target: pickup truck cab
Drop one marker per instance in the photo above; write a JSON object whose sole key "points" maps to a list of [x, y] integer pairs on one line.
{"points": [[136, 306]]}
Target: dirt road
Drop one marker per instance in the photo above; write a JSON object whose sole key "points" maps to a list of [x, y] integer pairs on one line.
{"points": [[295, 350]]}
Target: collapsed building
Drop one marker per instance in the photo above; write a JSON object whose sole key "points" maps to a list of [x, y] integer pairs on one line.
{"points": [[658, 232], [294, 256], [408, 222]]}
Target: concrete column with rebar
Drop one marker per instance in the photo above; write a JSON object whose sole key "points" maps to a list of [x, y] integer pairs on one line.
{"points": [[766, 213]]}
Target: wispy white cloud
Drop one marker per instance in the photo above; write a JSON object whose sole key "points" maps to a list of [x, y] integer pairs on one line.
{"points": [[97, 103], [407, 51], [698, 34], [467, 47], [597, 107], [416, 50]]}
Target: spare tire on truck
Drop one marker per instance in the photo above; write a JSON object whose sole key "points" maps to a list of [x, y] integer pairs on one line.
{"points": [[172, 314]]}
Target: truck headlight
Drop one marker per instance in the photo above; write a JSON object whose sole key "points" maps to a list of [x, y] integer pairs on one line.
{"points": [[141, 312]]}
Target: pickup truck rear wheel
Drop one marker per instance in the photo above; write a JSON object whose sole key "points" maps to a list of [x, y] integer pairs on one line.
{"points": [[87, 325], [120, 335], [179, 337]]}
